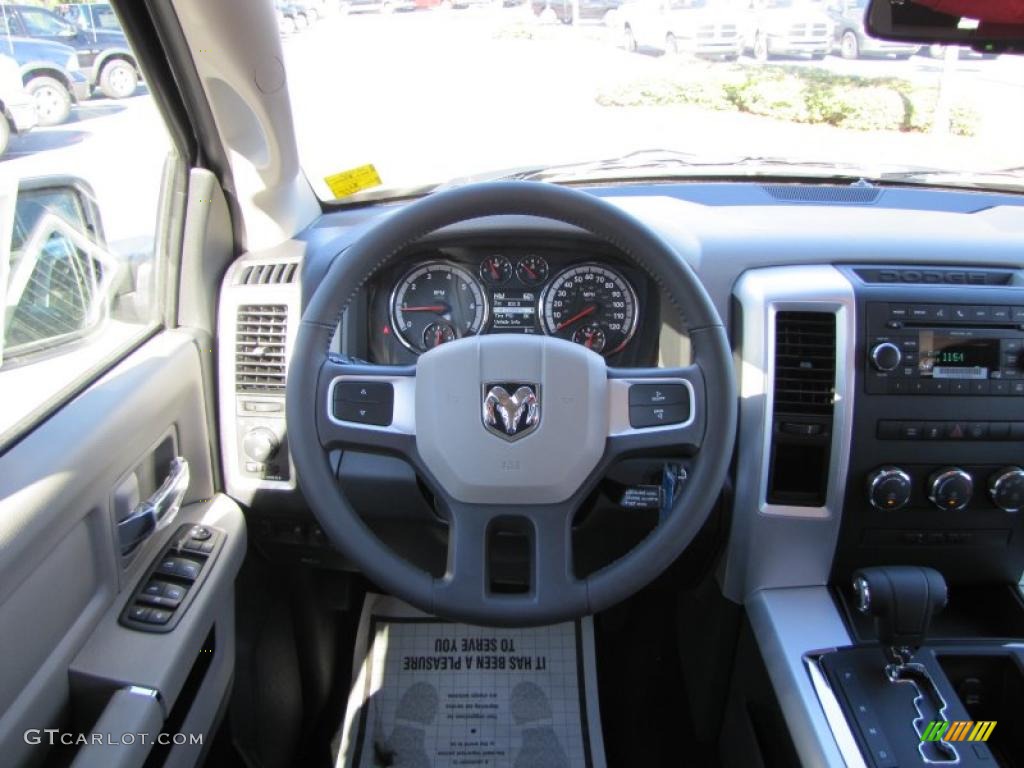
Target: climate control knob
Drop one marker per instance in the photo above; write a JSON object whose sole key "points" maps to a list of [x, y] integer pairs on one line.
{"points": [[1006, 488], [886, 356], [950, 488], [260, 444], [889, 488]]}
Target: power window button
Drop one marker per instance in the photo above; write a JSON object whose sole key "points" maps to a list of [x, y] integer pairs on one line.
{"points": [[139, 613], [182, 567]]}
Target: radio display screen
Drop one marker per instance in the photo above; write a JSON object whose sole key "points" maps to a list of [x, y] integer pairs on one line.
{"points": [[951, 356]]}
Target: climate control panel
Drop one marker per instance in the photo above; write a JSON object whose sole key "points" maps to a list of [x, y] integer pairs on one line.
{"points": [[950, 489]]}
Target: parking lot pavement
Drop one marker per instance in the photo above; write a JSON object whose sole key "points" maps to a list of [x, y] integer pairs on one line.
{"points": [[435, 95]]}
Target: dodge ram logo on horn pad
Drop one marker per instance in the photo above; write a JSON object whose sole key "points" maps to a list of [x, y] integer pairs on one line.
{"points": [[511, 416]]}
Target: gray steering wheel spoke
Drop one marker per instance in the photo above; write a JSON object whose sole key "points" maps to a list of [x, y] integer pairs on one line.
{"points": [[469, 585], [656, 409], [364, 406]]}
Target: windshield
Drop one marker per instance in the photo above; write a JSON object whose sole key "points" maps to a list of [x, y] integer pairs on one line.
{"points": [[430, 94]]}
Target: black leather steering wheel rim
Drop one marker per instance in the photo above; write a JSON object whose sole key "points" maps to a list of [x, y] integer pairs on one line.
{"points": [[311, 364]]}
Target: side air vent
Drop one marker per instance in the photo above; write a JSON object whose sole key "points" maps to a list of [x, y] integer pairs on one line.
{"points": [[799, 193], [260, 361], [268, 274], [805, 362], [802, 418]]}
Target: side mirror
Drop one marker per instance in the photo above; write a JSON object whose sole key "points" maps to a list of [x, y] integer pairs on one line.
{"points": [[990, 27], [57, 277]]}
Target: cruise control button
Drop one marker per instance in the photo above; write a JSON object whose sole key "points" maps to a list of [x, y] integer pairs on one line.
{"points": [[378, 414], [641, 416], [364, 392], [659, 394]]}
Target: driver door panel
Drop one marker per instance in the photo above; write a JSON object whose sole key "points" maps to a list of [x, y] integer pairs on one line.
{"points": [[63, 580]]}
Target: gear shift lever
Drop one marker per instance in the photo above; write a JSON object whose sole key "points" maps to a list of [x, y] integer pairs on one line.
{"points": [[903, 599]]}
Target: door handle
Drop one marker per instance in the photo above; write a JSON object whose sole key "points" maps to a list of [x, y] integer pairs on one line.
{"points": [[156, 512]]}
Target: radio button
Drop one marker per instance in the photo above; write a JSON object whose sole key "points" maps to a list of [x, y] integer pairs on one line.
{"points": [[999, 387], [1001, 314], [980, 387], [899, 386], [938, 387], [1017, 430], [961, 388], [898, 311], [961, 312], [1018, 314], [940, 313], [886, 356], [932, 431], [1017, 387], [920, 312], [981, 314]]}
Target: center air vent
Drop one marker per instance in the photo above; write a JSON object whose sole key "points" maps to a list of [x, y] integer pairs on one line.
{"points": [[804, 392], [268, 274], [805, 362], [260, 361]]}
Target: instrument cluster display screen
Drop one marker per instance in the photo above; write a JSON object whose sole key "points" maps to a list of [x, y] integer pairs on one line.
{"points": [[514, 311], [956, 356]]}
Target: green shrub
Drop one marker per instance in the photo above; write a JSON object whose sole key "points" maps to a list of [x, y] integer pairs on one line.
{"points": [[797, 94]]}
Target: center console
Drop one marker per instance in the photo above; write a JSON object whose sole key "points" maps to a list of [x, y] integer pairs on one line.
{"points": [[914, 465]]}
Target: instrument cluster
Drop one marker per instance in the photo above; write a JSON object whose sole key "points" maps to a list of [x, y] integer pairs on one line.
{"points": [[438, 295]]}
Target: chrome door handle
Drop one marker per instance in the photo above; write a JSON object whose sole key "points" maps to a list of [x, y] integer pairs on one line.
{"points": [[156, 512]]}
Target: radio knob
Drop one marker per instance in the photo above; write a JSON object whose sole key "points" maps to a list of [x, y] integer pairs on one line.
{"points": [[889, 488], [950, 488], [1006, 487], [260, 444], [886, 356]]}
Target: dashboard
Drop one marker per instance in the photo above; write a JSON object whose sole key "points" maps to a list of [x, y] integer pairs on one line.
{"points": [[581, 291]]}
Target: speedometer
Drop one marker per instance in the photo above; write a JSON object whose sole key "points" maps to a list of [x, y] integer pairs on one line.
{"points": [[592, 305], [435, 303]]}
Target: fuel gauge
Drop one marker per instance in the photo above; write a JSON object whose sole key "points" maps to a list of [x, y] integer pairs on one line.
{"points": [[532, 270]]}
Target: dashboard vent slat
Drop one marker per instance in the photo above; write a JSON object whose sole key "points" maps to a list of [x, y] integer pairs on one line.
{"points": [[280, 273], [805, 363], [260, 362]]}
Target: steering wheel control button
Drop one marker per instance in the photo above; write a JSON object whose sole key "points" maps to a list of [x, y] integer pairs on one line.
{"points": [[365, 402], [644, 416], [659, 394], [375, 414], [364, 392]]}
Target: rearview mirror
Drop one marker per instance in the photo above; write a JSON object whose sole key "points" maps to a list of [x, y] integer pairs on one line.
{"points": [[986, 27], [56, 274]]}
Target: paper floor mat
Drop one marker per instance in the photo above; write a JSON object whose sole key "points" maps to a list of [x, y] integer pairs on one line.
{"points": [[428, 693]]}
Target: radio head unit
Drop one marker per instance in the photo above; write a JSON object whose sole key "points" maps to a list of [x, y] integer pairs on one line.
{"points": [[945, 349]]}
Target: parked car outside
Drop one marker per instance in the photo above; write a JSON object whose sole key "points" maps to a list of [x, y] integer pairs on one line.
{"points": [[789, 28], [851, 37], [103, 54], [564, 10], [50, 73], [708, 28], [17, 109]]}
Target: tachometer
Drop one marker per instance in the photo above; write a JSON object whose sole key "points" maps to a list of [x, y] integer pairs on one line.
{"points": [[437, 302], [591, 305]]}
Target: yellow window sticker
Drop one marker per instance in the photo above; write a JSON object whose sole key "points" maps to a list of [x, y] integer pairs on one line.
{"points": [[355, 180]]}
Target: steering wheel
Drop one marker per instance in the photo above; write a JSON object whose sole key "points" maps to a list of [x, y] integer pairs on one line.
{"points": [[529, 453]]}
